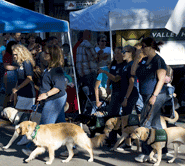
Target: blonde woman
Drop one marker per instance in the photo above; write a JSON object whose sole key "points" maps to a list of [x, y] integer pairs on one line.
{"points": [[25, 86]]}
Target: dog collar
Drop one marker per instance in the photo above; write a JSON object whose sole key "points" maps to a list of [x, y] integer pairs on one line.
{"points": [[33, 135], [15, 117]]}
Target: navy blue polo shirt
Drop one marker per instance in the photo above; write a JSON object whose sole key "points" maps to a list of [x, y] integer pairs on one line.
{"points": [[53, 78], [26, 69], [116, 69], [147, 74]]}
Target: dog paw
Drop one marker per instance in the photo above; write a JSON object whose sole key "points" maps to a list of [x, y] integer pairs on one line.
{"points": [[5, 147], [156, 164], [170, 161], [48, 162], [27, 160], [153, 160], [65, 161], [90, 160]]}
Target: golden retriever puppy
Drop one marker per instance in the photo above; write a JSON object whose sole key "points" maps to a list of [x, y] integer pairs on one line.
{"points": [[116, 123], [175, 135], [52, 136]]}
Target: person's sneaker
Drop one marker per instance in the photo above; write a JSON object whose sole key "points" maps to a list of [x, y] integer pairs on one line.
{"points": [[124, 147], [141, 158], [26, 151], [23, 141], [66, 154]]}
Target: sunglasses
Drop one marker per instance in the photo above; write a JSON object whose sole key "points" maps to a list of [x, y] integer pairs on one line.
{"points": [[103, 40], [124, 51]]}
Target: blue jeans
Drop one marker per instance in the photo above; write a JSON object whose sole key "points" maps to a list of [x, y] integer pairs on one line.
{"points": [[154, 120], [53, 110], [139, 104]]}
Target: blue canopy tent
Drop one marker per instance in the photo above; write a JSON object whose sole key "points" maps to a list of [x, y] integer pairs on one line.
{"points": [[18, 19], [14, 18]]}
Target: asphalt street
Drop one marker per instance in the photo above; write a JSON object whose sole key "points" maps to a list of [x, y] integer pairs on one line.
{"points": [[102, 156]]}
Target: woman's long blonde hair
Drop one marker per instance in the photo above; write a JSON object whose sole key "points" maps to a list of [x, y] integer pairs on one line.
{"points": [[23, 54]]}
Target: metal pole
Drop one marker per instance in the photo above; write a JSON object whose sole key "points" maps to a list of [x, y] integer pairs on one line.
{"points": [[42, 35], [110, 31], [75, 79]]}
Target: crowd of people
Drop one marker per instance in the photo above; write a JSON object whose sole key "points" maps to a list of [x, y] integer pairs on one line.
{"points": [[134, 77]]}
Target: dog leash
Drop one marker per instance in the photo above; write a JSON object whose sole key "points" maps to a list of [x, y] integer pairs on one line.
{"points": [[34, 108]]}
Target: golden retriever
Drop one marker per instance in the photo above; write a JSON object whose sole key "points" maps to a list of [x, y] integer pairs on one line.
{"points": [[116, 123], [175, 135], [52, 136]]}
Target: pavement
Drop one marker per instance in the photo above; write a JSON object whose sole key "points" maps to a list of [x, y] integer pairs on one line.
{"points": [[102, 156]]}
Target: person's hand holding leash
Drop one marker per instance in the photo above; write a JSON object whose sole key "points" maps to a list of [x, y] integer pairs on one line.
{"points": [[167, 79], [98, 104], [152, 99], [14, 90], [42, 96]]}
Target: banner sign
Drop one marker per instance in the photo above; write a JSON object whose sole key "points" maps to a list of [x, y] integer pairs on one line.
{"points": [[166, 35], [73, 5]]}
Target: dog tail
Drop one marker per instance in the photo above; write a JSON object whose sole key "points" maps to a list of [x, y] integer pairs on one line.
{"points": [[174, 119], [98, 140]]}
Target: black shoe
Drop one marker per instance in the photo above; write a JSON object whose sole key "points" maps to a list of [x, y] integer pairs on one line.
{"points": [[124, 147]]}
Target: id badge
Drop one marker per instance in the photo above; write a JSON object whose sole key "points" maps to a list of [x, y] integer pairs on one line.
{"points": [[113, 67]]}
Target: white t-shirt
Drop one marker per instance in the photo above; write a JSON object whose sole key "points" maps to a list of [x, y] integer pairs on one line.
{"points": [[106, 50]]}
